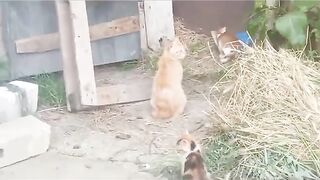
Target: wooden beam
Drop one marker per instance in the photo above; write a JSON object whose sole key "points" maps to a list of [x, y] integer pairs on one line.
{"points": [[114, 28], [67, 51], [159, 21], [83, 53], [48, 42], [38, 44], [142, 22], [124, 93], [76, 53]]}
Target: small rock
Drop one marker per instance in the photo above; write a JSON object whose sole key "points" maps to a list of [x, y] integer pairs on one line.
{"points": [[139, 117], [131, 118], [76, 146], [123, 136]]}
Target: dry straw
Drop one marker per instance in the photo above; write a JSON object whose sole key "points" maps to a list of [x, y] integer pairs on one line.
{"points": [[273, 105]]}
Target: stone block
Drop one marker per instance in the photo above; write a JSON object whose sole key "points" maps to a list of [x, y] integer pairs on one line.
{"points": [[10, 107], [23, 138], [29, 95]]}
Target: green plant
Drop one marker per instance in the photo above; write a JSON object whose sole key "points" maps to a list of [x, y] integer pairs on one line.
{"points": [[4, 69], [125, 66], [221, 155], [224, 155], [196, 46], [295, 21], [51, 89]]}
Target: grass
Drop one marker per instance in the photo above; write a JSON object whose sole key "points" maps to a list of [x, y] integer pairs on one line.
{"points": [[168, 167], [51, 89], [125, 66], [221, 155], [4, 69], [224, 155], [195, 47], [149, 61]]}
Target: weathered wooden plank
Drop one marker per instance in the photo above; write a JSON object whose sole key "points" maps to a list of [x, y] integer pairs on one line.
{"points": [[67, 51], [114, 28], [159, 21], [83, 53], [38, 44], [142, 22], [124, 93], [47, 42]]}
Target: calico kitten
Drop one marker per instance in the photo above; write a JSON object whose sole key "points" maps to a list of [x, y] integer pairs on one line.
{"points": [[227, 43], [168, 99], [193, 166]]}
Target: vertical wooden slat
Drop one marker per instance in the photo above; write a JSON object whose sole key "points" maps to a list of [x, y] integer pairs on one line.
{"points": [[67, 51], [76, 54], [159, 21], [142, 22], [83, 53]]}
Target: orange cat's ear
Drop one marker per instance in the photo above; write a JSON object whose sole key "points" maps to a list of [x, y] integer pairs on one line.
{"points": [[222, 30]]}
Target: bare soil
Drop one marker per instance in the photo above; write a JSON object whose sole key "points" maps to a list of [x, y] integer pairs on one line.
{"points": [[119, 141]]}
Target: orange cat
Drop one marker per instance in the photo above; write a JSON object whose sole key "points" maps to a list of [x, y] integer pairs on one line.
{"points": [[193, 166], [227, 43], [168, 99]]}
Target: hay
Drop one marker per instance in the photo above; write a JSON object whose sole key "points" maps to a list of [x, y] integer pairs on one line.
{"points": [[272, 106], [199, 61], [198, 56]]}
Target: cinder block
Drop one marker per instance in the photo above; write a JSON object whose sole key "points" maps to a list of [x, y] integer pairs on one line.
{"points": [[23, 138], [10, 107], [29, 94]]}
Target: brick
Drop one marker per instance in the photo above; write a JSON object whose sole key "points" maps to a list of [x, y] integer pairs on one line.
{"points": [[29, 93], [10, 107], [23, 138]]}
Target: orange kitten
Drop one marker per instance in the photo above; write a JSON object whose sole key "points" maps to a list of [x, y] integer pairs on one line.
{"points": [[168, 99], [227, 43], [193, 166]]}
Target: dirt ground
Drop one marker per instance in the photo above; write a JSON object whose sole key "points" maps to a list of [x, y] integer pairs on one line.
{"points": [[116, 142]]}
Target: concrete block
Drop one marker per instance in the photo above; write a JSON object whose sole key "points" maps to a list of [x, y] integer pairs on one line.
{"points": [[29, 92], [23, 138], [10, 107]]}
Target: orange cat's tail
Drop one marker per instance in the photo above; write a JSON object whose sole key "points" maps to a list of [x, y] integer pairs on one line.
{"points": [[164, 109]]}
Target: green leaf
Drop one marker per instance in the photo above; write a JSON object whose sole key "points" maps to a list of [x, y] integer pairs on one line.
{"points": [[293, 27], [304, 5]]}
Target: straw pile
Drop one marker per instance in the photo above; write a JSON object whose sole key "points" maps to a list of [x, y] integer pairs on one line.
{"points": [[272, 108], [201, 52]]}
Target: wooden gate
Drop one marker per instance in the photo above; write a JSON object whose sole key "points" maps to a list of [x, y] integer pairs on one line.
{"points": [[87, 33], [32, 40]]}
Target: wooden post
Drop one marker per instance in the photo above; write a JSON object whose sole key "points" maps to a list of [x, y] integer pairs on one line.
{"points": [[76, 53], [142, 22], [159, 21], [83, 53]]}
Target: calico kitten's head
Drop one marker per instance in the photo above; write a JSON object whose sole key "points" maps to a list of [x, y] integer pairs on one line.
{"points": [[175, 47], [187, 143]]}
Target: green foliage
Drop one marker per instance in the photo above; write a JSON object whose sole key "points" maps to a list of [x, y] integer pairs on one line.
{"points": [[293, 27], [221, 155], [304, 5], [224, 155], [291, 23], [125, 66], [51, 89], [4, 69], [257, 21]]}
